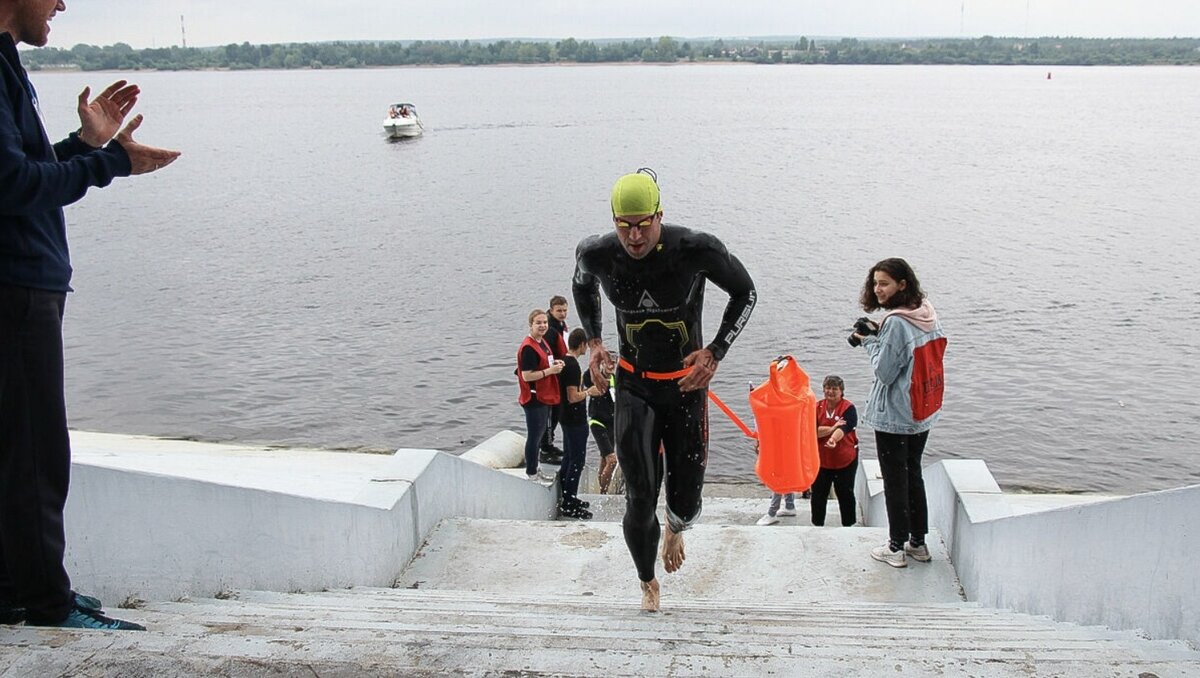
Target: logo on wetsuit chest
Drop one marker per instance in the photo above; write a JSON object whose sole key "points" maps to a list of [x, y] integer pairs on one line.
{"points": [[655, 342], [647, 301]]}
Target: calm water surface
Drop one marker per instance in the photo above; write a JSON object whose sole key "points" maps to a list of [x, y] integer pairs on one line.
{"points": [[296, 279]]}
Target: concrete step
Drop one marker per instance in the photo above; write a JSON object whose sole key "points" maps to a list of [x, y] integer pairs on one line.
{"points": [[717, 510], [414, 632], [964, 625], [723, 562]]}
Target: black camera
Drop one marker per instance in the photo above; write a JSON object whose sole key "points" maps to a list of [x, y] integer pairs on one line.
{"points": [[864, 327]]}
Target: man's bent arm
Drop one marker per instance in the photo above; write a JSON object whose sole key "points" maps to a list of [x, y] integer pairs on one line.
{"points": [[730, 275], [585, 287], [28, 186]]}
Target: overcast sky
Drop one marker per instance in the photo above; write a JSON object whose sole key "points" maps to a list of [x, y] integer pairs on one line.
{"points": [[150, 23]]}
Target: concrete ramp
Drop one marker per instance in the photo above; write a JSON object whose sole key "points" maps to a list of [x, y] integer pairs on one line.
{"points": [[724, 562]]}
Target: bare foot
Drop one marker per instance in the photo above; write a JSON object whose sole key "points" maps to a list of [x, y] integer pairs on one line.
{"points": [[650, 595], [672, 549]]}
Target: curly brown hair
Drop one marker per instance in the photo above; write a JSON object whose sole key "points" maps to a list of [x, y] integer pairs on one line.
{"points": [[898, 270]]}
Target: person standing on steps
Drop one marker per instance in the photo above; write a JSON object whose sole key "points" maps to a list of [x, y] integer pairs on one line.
{"points": [[837, 443], [556, 338], [655, 274], [36, 180], [537, 377], [574, 421], [906, 350], [600, 420]]}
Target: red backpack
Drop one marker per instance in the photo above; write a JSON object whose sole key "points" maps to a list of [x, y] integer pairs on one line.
{"points": [[928, 379]]}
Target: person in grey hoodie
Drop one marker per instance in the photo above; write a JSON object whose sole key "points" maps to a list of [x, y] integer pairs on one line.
{"points": [[906, 350]]}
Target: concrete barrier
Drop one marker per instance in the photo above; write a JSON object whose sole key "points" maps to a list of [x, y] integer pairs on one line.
{"points": [[1126, 562], [506, 449], [159, 519]]}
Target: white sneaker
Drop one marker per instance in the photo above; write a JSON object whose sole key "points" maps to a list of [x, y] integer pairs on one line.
{"points": [[885, 554], [767, 520], [787, 512], [531, 476], [918, 553]]}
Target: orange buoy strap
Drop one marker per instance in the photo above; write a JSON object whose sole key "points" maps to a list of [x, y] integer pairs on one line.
{"points": [[729, 413]]}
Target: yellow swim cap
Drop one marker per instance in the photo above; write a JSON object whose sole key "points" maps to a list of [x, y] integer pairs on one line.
{"points": [[635, 194]]}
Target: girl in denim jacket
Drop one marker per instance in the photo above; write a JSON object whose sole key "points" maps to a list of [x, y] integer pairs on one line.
{"points": [[906, 351]]}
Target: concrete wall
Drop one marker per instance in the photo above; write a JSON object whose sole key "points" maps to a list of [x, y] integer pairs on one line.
{"points": [[1127, 563], [868, 493], [162, 537]]}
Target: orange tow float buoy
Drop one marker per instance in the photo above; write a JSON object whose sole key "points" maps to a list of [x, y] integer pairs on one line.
{"points": [[785, 410]]}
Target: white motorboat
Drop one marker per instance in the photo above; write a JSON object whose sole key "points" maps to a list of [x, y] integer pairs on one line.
{"points": [[402, 121]]}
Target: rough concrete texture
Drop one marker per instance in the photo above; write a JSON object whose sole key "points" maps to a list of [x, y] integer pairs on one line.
{"points": [[723, 562], [390, 632]]}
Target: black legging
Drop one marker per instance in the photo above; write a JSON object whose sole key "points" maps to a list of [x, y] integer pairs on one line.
{"points": [[842, 480], [653, 416]]}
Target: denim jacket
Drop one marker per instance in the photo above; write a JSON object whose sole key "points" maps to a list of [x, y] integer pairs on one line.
{"points": [[889, 406]]}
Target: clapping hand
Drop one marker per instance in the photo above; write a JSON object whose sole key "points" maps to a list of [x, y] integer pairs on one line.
{"points": [[143, 158], [100, 118]]}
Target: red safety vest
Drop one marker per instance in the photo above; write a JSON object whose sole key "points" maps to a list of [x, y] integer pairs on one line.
{"points": [[560, 342], [547, 386], [846, 450]]}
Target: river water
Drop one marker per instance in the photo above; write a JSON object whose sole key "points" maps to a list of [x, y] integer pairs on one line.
{"points": [[296, 279]]}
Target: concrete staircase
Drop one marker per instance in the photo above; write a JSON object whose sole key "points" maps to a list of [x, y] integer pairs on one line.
{"points": [[487, 597]]}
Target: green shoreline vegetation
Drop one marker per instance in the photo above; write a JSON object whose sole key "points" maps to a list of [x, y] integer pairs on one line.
{"points": [[988, 50]]}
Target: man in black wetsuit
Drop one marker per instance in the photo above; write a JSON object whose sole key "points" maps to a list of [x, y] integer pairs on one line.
{"points": [[655, 274]]}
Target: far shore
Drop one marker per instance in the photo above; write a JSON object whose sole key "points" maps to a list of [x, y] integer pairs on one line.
{"points": [[577, 64]]}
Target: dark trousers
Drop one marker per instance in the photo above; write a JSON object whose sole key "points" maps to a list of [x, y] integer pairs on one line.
{"points": [[903, 486], [548, 437], [842, 480], [575, 437], [656, 427], [35, 454], [536, 416]]}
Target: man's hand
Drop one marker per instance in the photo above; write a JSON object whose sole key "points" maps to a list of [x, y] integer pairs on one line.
{"points": [[600, 363], [703, 365], [143, 158], [100, 119]]}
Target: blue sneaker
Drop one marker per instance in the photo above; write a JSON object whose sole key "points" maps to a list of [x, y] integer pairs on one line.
{"points": [[83, 618], [11, 615], [88, 603]]}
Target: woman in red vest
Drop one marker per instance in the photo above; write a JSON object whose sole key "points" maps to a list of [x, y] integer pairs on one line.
{"points": [[537, 372], [838, 444]]}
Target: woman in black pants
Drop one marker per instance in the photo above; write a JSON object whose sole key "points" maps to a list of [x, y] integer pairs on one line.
{"points": [[837, 441], [906, 350]]}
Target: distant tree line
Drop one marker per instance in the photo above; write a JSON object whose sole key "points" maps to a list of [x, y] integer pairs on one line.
{"points": [[986, 50]]}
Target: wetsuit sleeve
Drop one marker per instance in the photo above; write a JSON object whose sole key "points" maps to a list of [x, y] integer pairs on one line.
{"points": [[585, 287], [530, 360], [728, 273], [851, 417]]}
